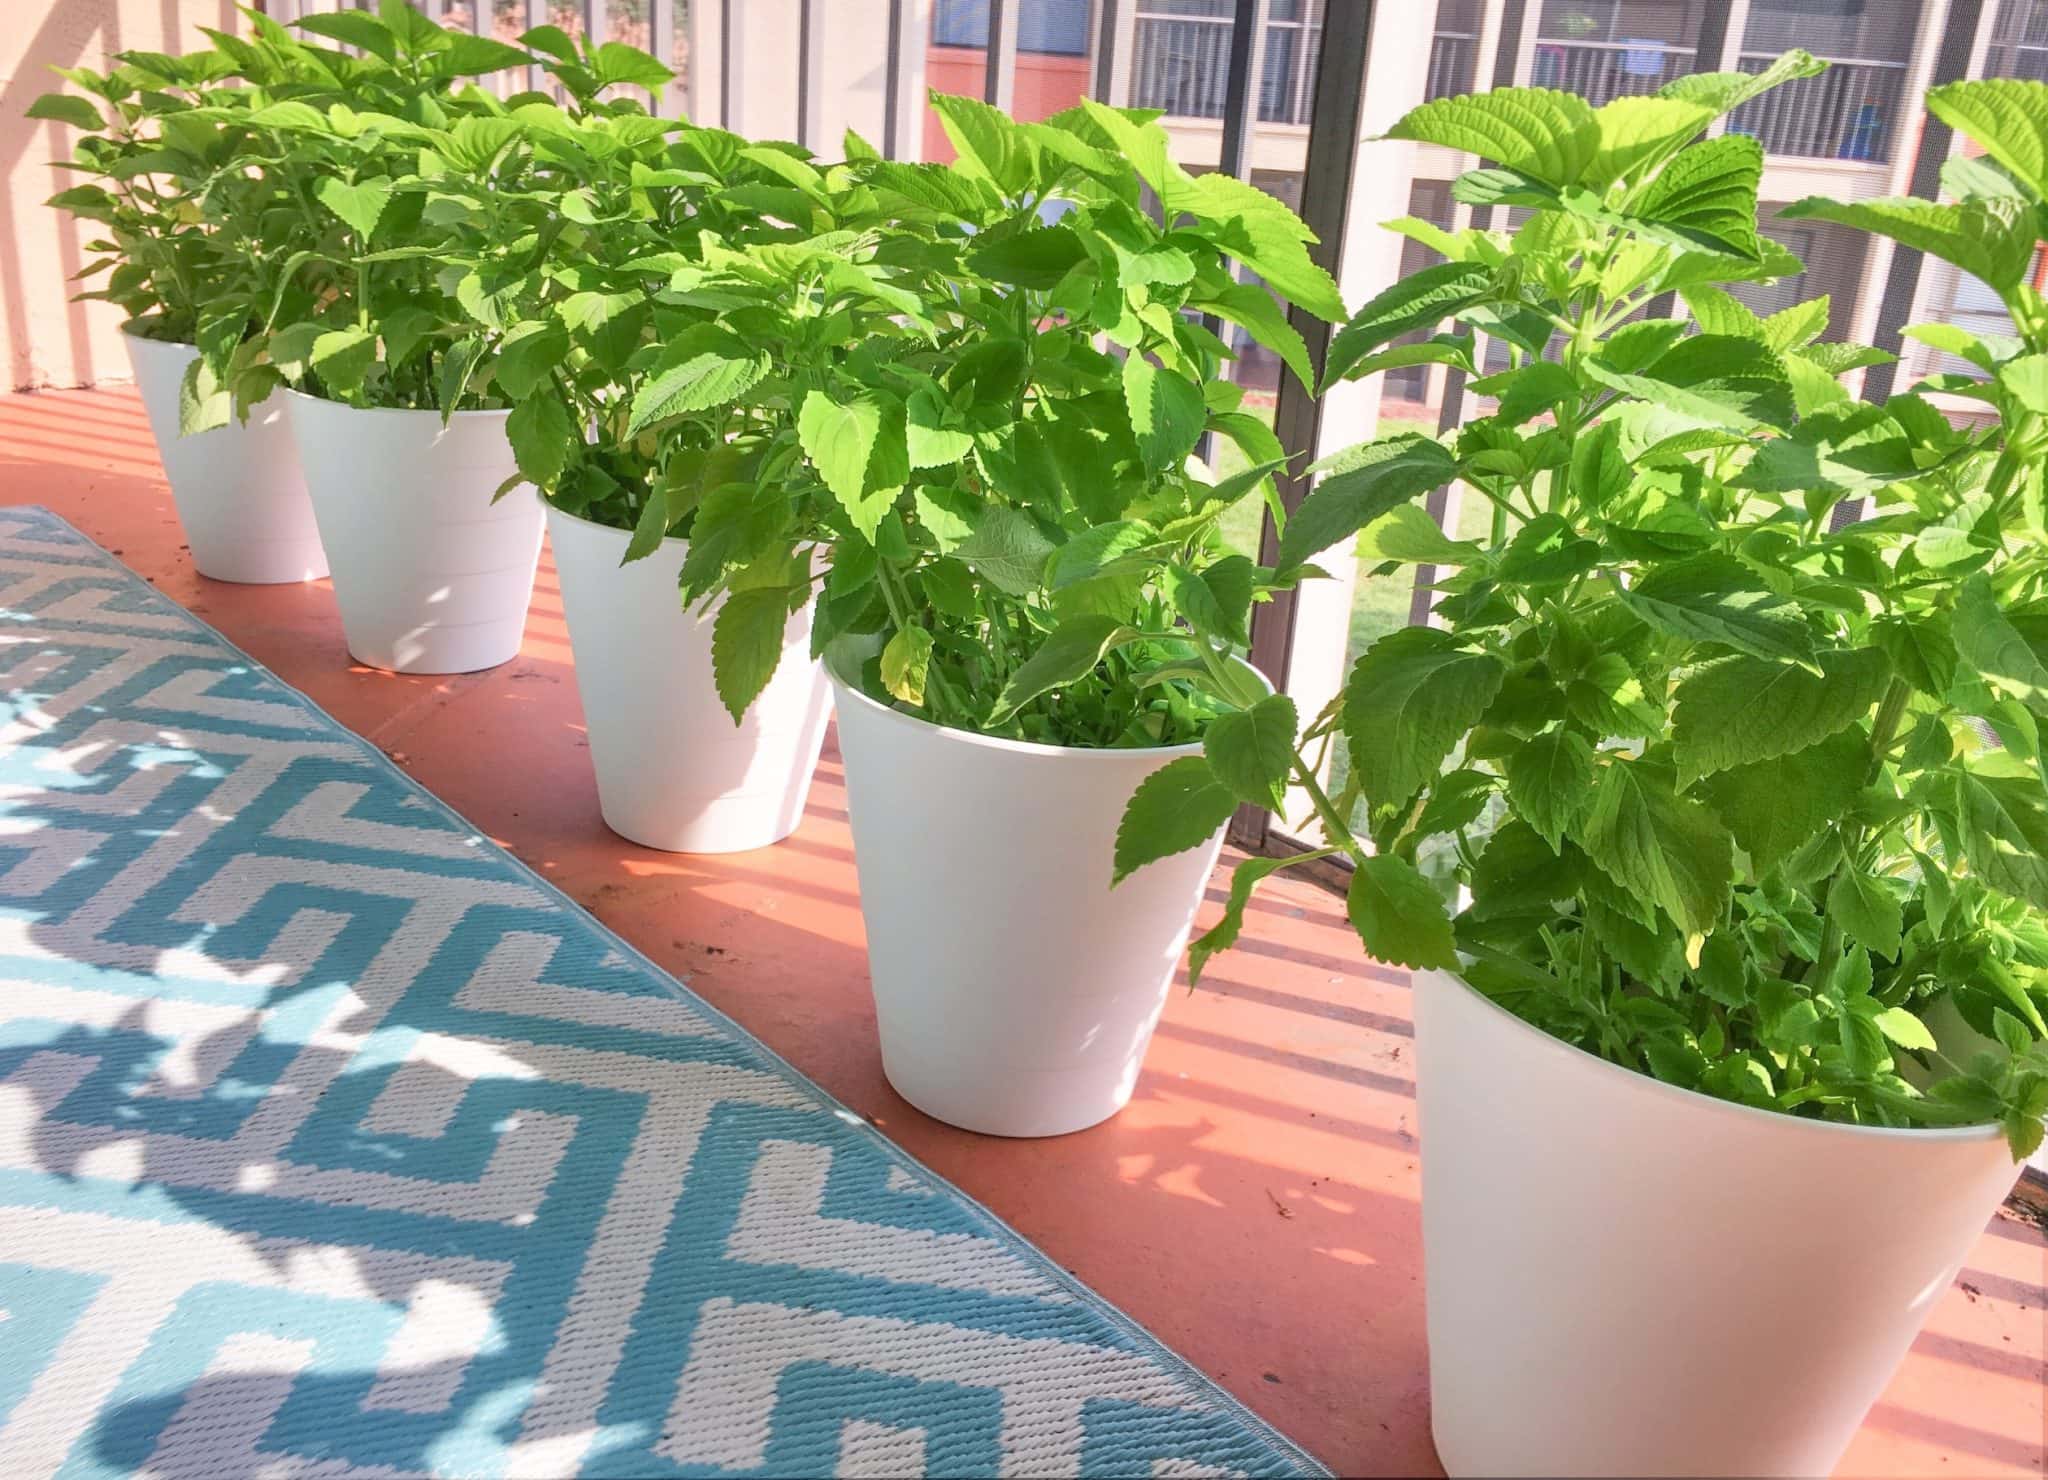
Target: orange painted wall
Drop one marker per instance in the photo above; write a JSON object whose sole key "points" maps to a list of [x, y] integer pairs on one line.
{"points": [[49, 341], [1045, 85]]}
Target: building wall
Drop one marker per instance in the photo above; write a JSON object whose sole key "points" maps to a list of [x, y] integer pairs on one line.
{"points": [[1046, 84], [49, 341]]}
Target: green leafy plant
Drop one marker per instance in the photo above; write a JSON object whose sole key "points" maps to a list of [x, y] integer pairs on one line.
{"points": [[251, 186], [148, 162], [344, 289], [1007, 503], [1727, 794]]}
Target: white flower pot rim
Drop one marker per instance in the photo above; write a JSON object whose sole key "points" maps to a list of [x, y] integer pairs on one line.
{"points": [[561, 513], [1709, 1104], [128, 329], [388, 410], [851, 693]]}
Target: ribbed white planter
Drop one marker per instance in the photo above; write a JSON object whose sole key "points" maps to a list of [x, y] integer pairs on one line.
{"points": [[1015, 990], [673, 770], [1626, 1278], [430, 575], [240, 495]]}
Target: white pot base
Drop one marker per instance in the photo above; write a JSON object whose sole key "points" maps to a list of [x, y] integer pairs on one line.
{"points": [[1626, 1278], [673, 770], [431, 575], [1015, 990]]}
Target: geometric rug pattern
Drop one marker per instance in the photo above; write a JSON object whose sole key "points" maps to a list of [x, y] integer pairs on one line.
{"points": [[335, 1142]]}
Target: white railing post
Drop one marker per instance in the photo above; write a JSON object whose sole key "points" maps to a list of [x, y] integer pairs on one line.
{"points": [[1115, 42], [913, 43], [1879, 256], [999, 57], [705, 40]]}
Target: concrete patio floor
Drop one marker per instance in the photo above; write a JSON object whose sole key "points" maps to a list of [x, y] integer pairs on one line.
{"points": [[1256, 1204]]}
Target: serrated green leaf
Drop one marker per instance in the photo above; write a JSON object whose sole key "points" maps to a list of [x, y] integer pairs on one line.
{"points": [[342, 357], [1903, 1028], [528, 355], [1725, 91], [1258, 231], [360, 205], [1255, 310], [2009, 117], [929, 442], [354, 28], [1549, 136], [64, 108], [1415, 302], [1179, 806], [1360, 486], [1718, 380], [1030, 259], [1714, 598], [1989, 239], [1999, 651], [1659, 847], [1737, 710], [1638, 134], [1166, 412], [1550, 781], [1775, 806], [1251, 751], [2005, 834], [1868, 912], [540, 432], [1069, 652], [1408, 535], [842, 438], [1399, 916], [746, 645], [691, 377], [2026, 380], [1410, 698], [1008, 551]]}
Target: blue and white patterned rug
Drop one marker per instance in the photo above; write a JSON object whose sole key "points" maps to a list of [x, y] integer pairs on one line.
{"points": [[335, 1142]]}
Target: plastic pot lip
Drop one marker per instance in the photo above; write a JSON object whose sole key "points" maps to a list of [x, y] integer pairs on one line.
{"points": [[1542, 1042], [299, 395], [128, 333], [556, 511], [845, 693]]}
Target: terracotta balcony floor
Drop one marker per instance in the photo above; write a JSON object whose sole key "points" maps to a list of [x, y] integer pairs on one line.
{"points": [[1256, 1204]]}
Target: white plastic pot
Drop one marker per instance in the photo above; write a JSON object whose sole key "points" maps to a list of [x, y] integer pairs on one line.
{"points": [[430, 575], [240, 495], [673, 770], [1627, 1278], [1015, 990]]}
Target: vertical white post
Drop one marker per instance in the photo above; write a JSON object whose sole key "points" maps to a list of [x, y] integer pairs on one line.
{"points": [[705, 100], [1396, 75], [764, 38], [1486, 48], [1525, 49], [1115, 37], [661, 41], [1879, 255], [999, 67], [914, 46]]}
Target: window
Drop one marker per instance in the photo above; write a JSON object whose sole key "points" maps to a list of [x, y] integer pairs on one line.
{"points": [[1047, 27]]}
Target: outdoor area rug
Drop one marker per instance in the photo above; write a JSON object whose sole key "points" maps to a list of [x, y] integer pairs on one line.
{"points": [[334, 1141]]}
